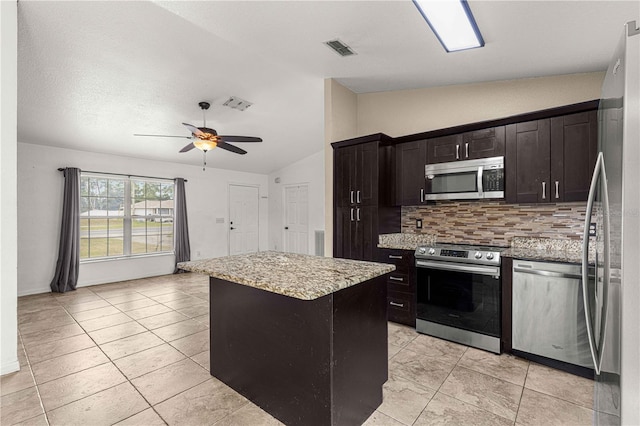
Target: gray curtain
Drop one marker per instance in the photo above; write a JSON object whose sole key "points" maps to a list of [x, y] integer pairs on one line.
{"points": [[181, 227], [66, 275]]}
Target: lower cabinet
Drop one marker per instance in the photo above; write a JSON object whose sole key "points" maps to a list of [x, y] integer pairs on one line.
{"points": [[401, 286], [357, 228]]}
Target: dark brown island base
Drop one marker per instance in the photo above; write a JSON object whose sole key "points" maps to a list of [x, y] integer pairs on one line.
{"points": [[303, 337]]}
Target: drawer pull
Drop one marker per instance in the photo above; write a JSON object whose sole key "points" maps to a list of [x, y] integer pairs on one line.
{"points": [[396, 278], [393, 256], [399, 305]]}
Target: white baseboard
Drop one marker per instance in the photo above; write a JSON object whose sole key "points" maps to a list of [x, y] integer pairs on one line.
{"points": [[10, 367]]}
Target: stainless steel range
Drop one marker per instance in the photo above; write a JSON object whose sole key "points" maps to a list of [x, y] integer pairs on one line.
{"points": [[459, 294]]}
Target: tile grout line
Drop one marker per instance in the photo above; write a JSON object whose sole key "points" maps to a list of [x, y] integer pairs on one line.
{"points": [[522, 393], [33, 377]]}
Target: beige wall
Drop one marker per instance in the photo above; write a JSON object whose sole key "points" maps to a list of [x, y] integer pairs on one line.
{"points": [[405, 112], [340, 122]]}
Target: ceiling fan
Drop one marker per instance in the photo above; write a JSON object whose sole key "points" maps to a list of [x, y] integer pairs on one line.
{"points": [[206, 139]]}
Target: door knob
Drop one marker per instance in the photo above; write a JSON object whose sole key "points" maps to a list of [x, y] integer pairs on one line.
{"points": [[286, 227], [232, 228]]}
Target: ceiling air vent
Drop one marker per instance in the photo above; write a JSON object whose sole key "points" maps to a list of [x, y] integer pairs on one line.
{"points": [[237, 103], [340, 48]]}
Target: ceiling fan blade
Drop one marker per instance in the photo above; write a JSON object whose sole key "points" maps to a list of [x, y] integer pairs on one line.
{"points": [[188, 147], [163, 136], [231, 148], [240, 139], [193, 129]]}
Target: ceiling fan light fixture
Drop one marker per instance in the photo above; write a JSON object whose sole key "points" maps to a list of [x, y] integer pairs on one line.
{"points": [[452, 22], [205, 144]]}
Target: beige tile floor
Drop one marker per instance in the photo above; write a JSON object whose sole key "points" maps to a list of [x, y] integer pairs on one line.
{"points": [[137, 353]]}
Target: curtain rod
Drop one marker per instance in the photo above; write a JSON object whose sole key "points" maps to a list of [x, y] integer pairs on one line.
{"points": [[62, 169]]}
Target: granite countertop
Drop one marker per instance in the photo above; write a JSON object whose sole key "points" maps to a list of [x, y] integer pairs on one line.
{"points": [[525, 248], [564, 256], [405, 241], [547, 249], [296, 275]]}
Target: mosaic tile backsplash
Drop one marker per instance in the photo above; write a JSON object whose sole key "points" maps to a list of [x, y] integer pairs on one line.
{"points": [[495, 222]]}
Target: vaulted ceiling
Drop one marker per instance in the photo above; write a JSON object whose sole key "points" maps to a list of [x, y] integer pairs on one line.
{"points": [[91, 74]]}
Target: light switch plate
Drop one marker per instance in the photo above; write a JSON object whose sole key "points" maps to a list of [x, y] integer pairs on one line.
{"points": [[419, 223]]}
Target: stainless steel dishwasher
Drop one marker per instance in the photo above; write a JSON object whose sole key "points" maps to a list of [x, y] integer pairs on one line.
{"points": [[548, 312]]}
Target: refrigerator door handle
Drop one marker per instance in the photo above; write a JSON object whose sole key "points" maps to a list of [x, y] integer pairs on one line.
{"points": [[607, 271], [595, 351]]}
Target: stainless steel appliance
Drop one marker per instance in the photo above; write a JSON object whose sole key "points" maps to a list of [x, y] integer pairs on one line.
{"points": [[459, 294], [548, 312], [465, 180], [612, 311]]}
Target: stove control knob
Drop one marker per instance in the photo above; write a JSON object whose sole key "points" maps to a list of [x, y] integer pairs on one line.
{"points": [[489, 256], [478, 255], [422, 250], [432, 251]]}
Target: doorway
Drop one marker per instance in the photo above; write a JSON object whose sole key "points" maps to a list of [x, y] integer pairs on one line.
{"points": [[244, 219], [296, 219]]}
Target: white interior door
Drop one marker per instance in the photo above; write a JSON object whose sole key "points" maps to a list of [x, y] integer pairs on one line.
{"points": [[296, 219], [243, 219]]}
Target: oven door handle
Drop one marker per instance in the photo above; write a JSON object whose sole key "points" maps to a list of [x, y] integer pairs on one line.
{"points": [[475, 269]]}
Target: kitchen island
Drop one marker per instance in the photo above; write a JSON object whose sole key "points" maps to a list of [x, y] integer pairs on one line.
{"points": [[303, 337]]}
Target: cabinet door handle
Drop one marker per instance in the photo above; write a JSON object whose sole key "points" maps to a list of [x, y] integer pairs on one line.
{"points": [[351, 197], [399, 305], [422, 195], [557, 189], [457, 152], [394, 256], [544, 190], [466, 150], [358, 197], [358, 214], [351, 214], [396, 278]]}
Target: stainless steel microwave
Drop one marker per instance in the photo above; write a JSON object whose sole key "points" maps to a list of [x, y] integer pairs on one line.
{"points": [[465, 180]]}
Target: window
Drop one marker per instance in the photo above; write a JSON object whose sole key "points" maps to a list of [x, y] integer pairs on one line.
{"points": [[124, 216]]}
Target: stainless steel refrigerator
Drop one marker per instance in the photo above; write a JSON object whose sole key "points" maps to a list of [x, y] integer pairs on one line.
{"points": [[612, 231]]}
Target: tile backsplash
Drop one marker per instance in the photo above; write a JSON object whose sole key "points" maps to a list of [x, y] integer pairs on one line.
{"points": [[495, 222]]}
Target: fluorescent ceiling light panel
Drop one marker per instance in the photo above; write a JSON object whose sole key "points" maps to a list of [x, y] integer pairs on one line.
{"points": [[452, 22]]}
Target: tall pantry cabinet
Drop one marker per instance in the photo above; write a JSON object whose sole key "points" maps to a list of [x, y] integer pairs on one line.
{"points": [[363, 196]]}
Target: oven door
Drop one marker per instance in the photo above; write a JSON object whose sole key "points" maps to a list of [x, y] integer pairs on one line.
{"points": [[461, 296]]}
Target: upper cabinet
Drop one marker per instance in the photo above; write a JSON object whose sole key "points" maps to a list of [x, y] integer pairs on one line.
{"points": [[527, 166], [411, 158], [356, 175], [552, 159], [444, 149], [482, 143], [574, 148]]}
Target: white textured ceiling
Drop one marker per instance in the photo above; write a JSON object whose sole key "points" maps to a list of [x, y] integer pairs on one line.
{"points": [[91, 74]]}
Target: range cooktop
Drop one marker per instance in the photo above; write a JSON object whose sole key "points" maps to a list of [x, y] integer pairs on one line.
{"points": [[463, 253]]}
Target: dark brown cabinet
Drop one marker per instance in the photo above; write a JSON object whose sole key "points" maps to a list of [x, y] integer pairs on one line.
{"points": [[574, 148], [401, 285], [411, 158], [363, 188], [551, 160], [356, 175], [483, 143], [444, 149], [527, 162], [357, 227]]}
